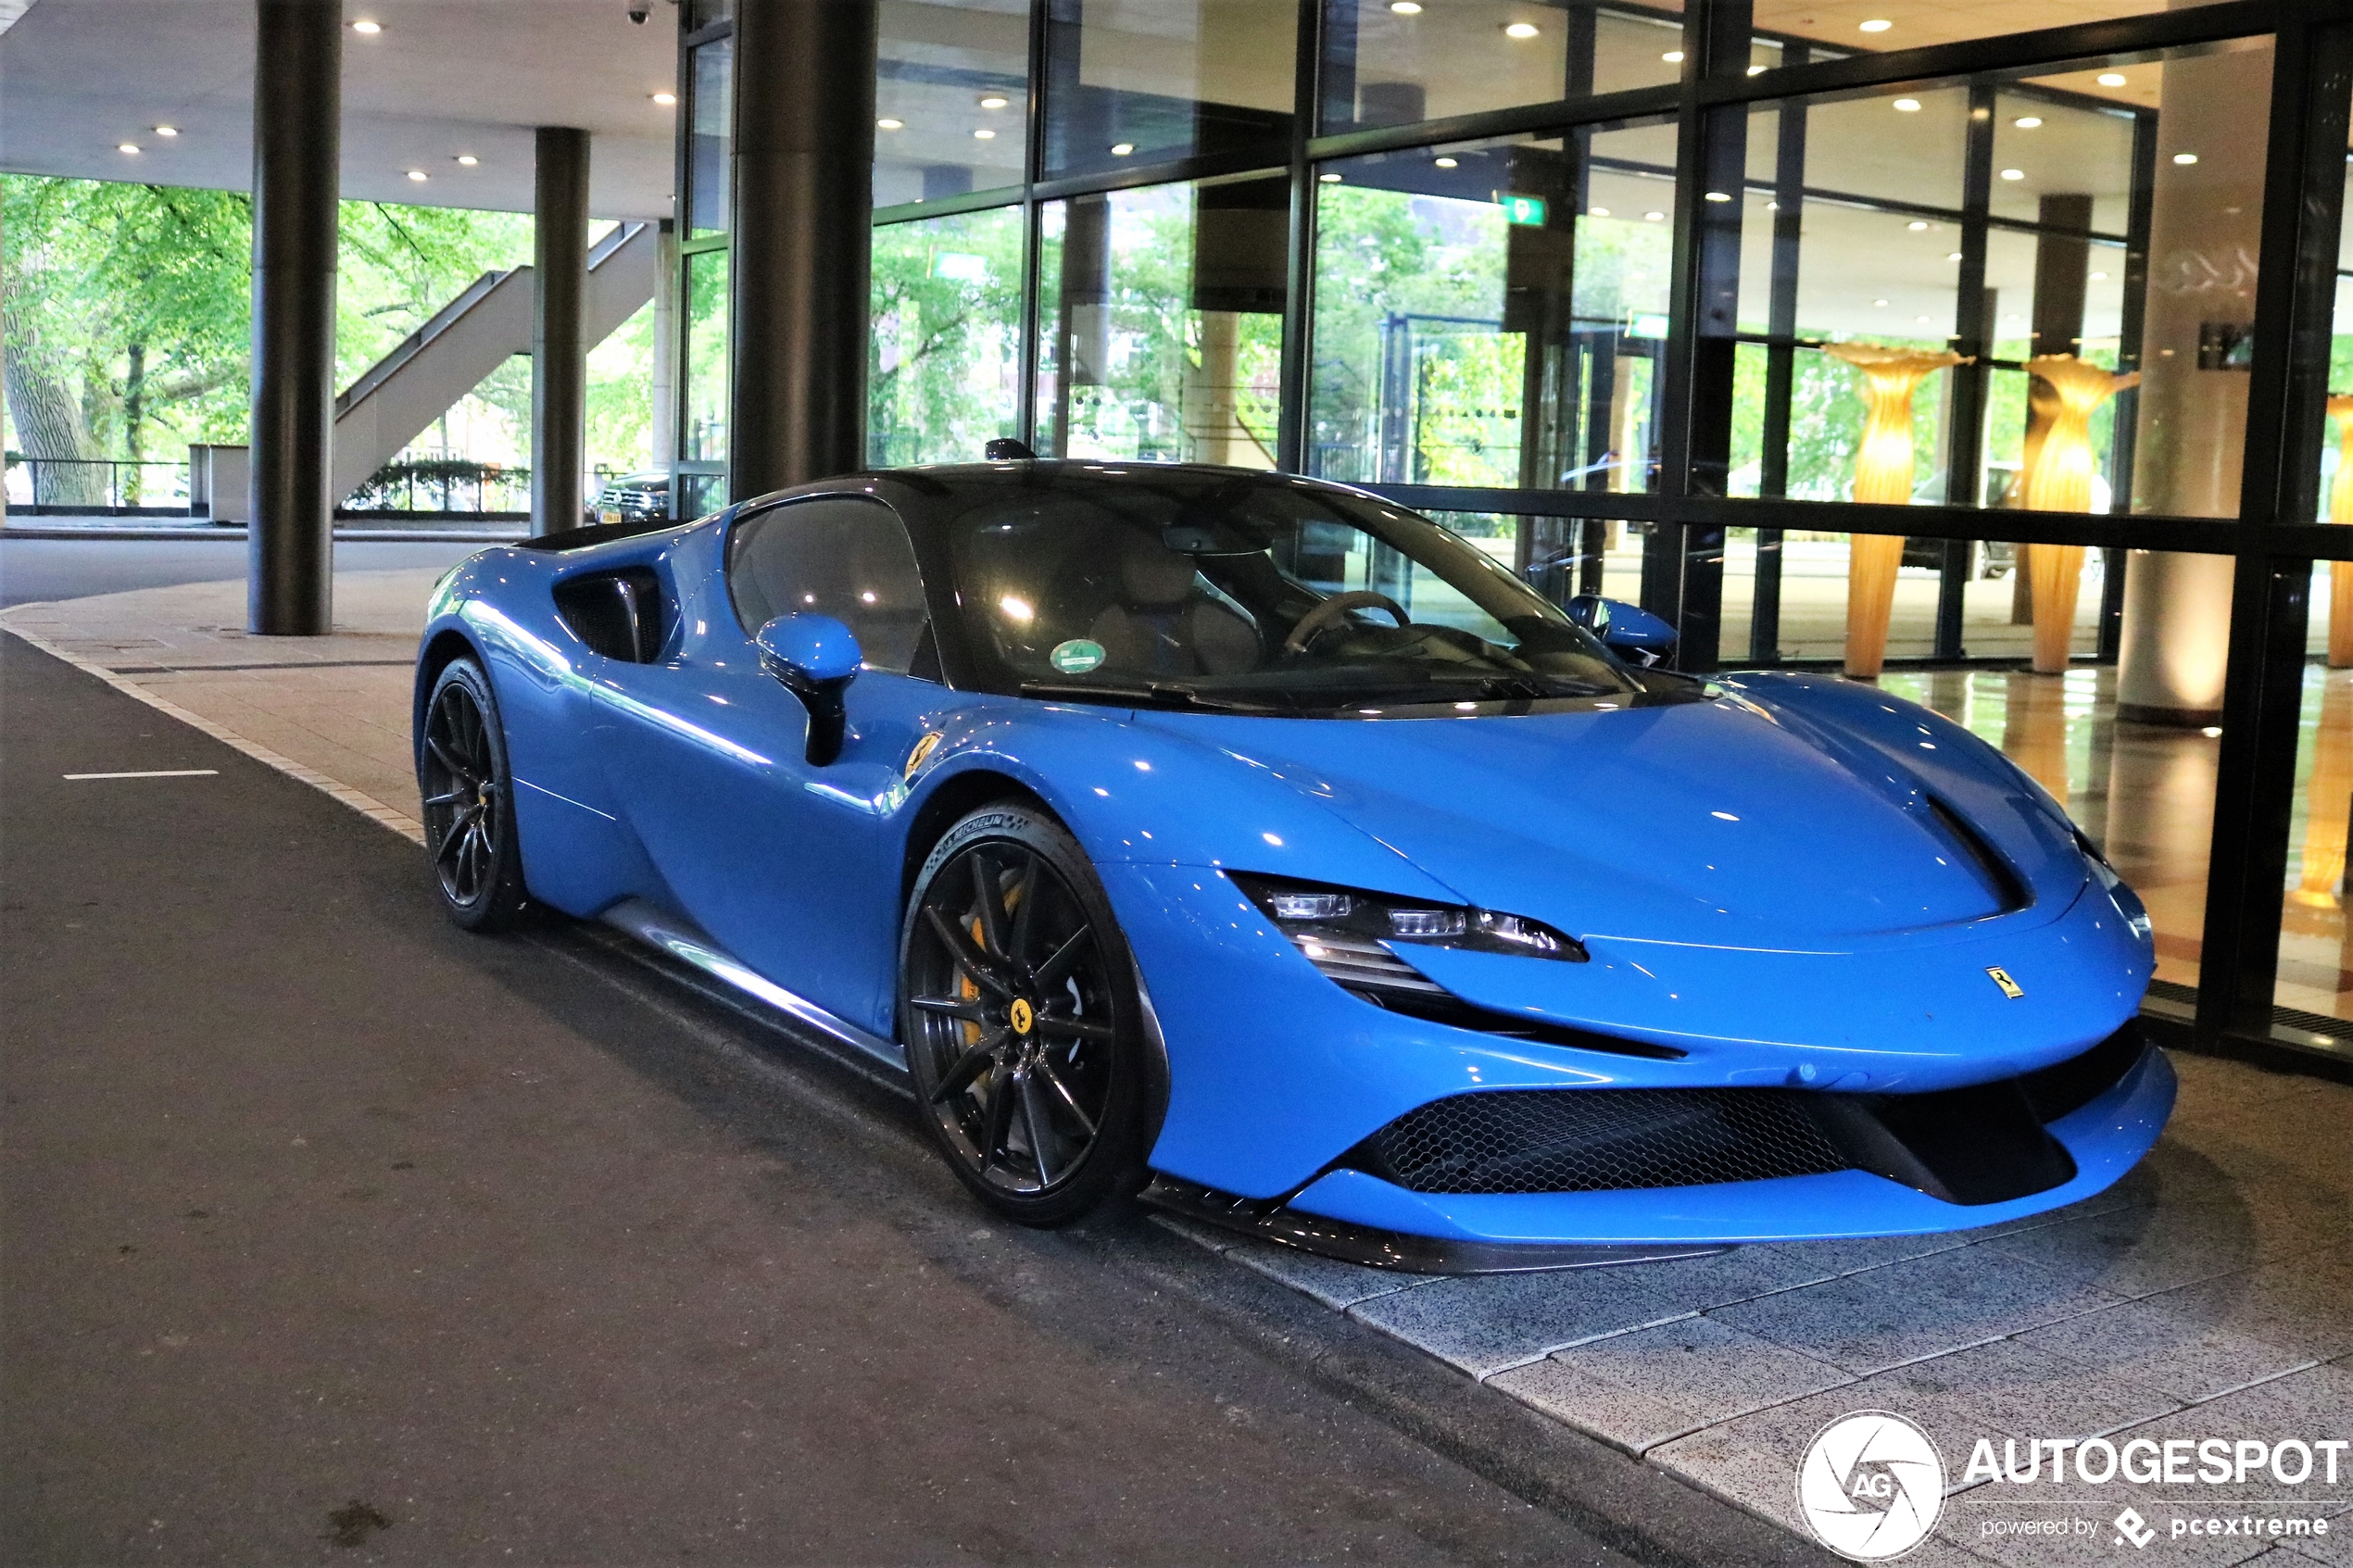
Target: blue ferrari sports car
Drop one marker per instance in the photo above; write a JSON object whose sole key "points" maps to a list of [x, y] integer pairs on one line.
{"points": [[1258, 844]]}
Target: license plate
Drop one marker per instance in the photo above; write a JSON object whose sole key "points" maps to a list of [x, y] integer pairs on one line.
{"points": [[609, 517]]}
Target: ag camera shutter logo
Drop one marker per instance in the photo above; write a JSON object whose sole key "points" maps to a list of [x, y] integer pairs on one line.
{"points": [[1870, 1485]]}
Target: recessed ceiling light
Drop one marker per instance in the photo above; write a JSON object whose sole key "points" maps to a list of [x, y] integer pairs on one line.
{"points": [[2099, 277], [665, 99], [1598, 211], [994, 101], [1877, 24], [132, 148], [2013, 174], [1719, 195], [166, 131], [1443, 162], [1654, 217], [1405, 7], [1328, 179], [1921, 319], [1772, 207], [1673, 56], [1879, 302], [984, 134], [467, 160], [2184, 158], [2110, 78], [1756, 71], [887, 123], [1907, 105], [370, 29], [418, 175], [1121, 149], [2027, 121], [1520, 30], [1953, 256], [1917, 225]]}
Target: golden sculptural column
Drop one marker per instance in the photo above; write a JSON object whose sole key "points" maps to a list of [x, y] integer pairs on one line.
{"points": [[2341, 510], [1882, 473], [2060, 401]]}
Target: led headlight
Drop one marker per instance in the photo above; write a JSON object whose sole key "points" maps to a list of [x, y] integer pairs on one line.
{"points": [[1351, 935]]}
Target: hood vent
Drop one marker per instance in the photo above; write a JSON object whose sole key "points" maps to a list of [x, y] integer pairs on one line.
{"points": [[2010, 890]]}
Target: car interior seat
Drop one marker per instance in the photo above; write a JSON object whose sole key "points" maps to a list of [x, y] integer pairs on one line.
{"points": [[1164, 622]]}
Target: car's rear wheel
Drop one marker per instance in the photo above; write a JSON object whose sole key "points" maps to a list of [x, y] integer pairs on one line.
{"points": [[1017, 1004], [469, 801]]}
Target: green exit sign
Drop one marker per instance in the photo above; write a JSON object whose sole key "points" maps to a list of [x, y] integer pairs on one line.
{"points": [[1527, 212]]}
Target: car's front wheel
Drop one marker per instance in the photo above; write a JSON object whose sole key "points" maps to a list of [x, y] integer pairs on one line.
{"points": [[1018, 1007]]}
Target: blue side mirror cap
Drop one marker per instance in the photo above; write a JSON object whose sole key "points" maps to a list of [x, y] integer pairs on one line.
{"points": [[1629, 631], [816, 658], [808, 650]]}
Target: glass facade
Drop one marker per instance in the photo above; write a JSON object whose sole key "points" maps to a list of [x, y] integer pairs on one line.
{"points": [[942, 378], [1167, 319], [1676, 304]]}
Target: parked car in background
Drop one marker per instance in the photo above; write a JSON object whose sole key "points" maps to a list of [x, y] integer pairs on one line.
{"points": [[631, 498]]}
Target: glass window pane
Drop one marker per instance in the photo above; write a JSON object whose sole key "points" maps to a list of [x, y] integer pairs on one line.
{"points": [[1829, 30], [846, 559], [704, 438], [1856, 232], [1492, 313], [1138, 80], [711, 136], [1165, 306], [945, 365], [1385, 64], [951, 98]]}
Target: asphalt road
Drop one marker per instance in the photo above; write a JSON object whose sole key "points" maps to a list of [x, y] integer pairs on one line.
{"points": [[37, 570], [329, 1232]]}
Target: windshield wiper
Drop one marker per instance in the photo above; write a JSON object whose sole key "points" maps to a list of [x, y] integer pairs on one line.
{"points": [[1149, 694], [1534, 687]]}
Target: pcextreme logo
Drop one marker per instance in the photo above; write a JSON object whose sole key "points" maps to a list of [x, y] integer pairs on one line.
{"points": [[1870, 1485]]}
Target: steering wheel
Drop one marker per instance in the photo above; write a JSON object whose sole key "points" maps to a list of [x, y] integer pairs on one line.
{"points": [[1327, 614]]}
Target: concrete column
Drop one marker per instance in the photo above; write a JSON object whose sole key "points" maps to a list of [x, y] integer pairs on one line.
{"points": [[298, 108], [559, 346], [799, 240], [2206, 234]]}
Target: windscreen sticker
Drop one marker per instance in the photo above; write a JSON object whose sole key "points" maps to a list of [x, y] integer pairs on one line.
{"points": [[1076, 657]]}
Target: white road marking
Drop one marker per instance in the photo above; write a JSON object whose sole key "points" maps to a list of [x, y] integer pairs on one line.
{"points": [[154, 773]]}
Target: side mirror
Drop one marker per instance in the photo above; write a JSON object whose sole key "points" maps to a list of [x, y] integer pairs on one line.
{"points": [[816, 658], [1630, 631]]}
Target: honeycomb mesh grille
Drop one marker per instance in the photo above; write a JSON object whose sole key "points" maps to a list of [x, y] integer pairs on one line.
{"points": [[1596, 1140]]}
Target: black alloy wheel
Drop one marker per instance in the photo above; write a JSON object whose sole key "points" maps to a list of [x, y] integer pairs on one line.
{"points": [[1017, 1004], [469, 810]]}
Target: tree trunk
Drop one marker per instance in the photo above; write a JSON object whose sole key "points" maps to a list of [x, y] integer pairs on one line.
{"points": [[48, 417], [134, 408]]}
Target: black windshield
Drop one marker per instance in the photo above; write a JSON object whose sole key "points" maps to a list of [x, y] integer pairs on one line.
{"points": [[1253, 594]]}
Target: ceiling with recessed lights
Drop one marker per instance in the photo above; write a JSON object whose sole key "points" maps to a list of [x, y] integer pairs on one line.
{"points": [[441, 80]]}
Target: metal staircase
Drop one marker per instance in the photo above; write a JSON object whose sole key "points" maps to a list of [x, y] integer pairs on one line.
{"points": [[397, 396]]}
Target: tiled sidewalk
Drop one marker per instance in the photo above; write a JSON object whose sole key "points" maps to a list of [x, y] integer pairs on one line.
{"points": [[2208, 1295]]}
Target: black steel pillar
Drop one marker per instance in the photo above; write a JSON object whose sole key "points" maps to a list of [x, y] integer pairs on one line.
{"points": [[298, 111], [558, 335], [799, 240]]}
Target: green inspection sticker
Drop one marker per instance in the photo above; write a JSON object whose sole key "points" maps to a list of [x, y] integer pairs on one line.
{"points": [[1076, 657]]}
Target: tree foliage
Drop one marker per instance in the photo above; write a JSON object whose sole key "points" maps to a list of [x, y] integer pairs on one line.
{"points": [[127, 307]]}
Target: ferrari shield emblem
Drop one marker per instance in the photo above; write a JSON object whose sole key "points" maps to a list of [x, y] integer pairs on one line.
{"points": [[2010, 988]]}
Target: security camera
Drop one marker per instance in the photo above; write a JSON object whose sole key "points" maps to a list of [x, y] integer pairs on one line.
{"points": [[639, 10]]}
